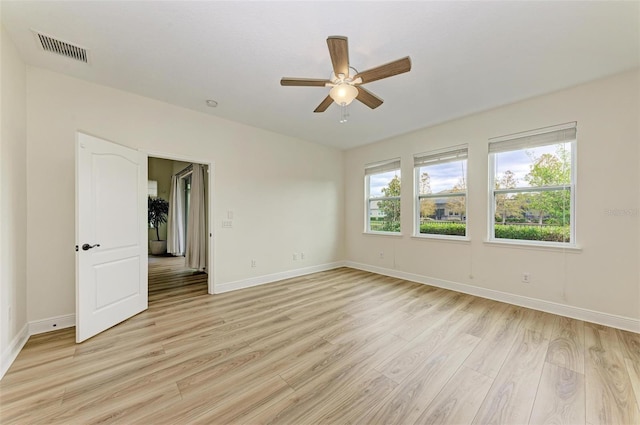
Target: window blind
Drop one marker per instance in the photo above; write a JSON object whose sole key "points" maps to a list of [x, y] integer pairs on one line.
{"points": [[440, 157], [382, 167], [542, 137]]}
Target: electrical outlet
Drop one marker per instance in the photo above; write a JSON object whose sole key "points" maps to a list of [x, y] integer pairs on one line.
{"points": [[227, 223], [302, 255], [253, 263], [526, 277], [381, 255], [295, 257]]}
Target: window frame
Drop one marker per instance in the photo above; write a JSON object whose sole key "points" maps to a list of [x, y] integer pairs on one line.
{"points": [[571, 187], [370, 170], [417, 198]]}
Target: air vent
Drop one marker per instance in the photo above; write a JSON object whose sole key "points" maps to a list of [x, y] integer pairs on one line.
{"points": [[63, 48]]}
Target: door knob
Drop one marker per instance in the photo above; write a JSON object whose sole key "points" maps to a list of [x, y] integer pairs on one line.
{"points": [[87, 247]]}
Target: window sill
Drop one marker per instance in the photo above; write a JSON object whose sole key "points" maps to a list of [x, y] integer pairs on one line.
{"points": [[392, 234], [512, 243], [446, 238]]}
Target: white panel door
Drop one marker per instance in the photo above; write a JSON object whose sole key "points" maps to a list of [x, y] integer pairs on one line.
{"points": [[111, 234]]}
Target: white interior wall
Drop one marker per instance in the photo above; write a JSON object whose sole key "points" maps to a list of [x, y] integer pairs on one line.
{"points": [[286, 194], [13, 203], [602, 277]]}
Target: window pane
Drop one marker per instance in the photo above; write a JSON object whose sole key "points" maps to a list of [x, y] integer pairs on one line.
{"points": [[384, 184], [534, 167], [384, 216], [443, 216], [534, 216], [511, 208], [443, 178]]}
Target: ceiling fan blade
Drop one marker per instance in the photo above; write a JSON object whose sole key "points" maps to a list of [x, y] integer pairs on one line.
{"points": [[390, 69], [324, 105], [310, 82], [339, 52], [368, 98]]}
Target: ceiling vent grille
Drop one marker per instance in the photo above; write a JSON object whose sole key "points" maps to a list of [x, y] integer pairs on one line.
{"points": [[62, 48]]}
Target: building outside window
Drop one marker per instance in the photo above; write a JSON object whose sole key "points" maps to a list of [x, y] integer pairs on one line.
{"points": [[441, 193]]}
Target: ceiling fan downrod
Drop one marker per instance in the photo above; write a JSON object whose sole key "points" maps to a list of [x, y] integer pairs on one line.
{"points": [[344, 113]]}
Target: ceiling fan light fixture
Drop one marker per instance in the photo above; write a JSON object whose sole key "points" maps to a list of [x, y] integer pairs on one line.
{"points": [[343, 94]]}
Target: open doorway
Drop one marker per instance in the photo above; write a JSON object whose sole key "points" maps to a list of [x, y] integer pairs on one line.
{"points": [[179, 263]]}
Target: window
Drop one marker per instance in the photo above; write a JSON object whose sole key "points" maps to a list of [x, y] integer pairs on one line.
{"points": [[152, 186], [532, 176], [382, 183], [441, 193]]}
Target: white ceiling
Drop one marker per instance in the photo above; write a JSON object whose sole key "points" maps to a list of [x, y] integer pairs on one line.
{"points": [[467, 56]]}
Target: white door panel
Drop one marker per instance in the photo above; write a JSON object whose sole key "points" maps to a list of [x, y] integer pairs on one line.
{"points": [[115, 282], [111, 278], [115, 185]]}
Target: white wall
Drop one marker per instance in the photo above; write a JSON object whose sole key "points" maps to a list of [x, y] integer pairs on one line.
{"points": [[286, 193], [13, 203], [602, 277]]}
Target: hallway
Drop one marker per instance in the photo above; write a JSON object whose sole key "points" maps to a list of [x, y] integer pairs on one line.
{"points": [[170, 281]]}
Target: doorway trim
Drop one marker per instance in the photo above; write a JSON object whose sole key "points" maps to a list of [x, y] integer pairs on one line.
{"points": [[210, 203]]}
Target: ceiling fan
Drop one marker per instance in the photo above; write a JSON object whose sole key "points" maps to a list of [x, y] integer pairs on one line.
{"points": [[345, 86]]}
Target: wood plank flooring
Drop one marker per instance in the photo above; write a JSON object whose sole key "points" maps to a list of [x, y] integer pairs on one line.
{"points": [[337, 347]]}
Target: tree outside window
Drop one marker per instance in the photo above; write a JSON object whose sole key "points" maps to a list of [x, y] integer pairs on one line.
{"points": [[383, 188], [391, 207]]}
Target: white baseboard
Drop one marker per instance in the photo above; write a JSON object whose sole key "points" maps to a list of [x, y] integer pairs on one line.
{"points": [[52, 324], [32, 328], [10, 353], [614, 321], [261, 280]]}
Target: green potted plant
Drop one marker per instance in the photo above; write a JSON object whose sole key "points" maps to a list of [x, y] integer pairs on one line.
{"points": [[158, 210]]}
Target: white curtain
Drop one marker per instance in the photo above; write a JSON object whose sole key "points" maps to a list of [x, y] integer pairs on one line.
{"points": [[175, 221], [197, 228]]}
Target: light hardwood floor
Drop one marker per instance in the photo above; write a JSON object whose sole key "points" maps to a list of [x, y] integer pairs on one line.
{"points": [[337, 347]]}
